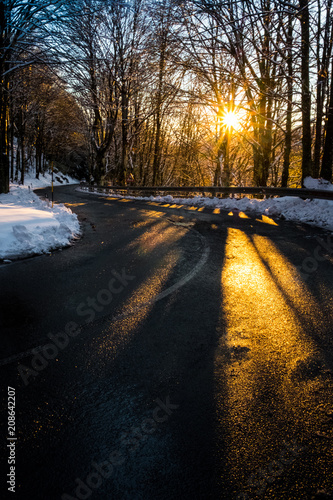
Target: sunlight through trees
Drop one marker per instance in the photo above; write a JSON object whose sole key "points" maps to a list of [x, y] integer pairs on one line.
{"points": [[173, 93]]}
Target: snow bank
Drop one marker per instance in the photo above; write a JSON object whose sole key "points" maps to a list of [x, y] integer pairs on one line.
{"points": [[46, 180], [311, 183], [29, 226], [314, 212]]}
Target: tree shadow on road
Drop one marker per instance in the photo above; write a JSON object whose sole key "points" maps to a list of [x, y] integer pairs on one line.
{"points": [[212, 351]]}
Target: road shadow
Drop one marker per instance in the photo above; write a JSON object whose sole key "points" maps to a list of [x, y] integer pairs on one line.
{"points": [[205, 356]]}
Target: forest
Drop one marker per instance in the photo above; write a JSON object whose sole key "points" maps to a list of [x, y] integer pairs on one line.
{"points": [[173, 93]]}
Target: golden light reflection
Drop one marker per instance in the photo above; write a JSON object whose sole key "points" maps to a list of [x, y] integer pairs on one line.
{"points": [[141, 223], [286, 277], [242, 215], [159, 234], [74, 204], [216, 211], [267, 220], [176, 206], [250, 286], [133, 312], [137, 307], [152, 213], [267, 310]]}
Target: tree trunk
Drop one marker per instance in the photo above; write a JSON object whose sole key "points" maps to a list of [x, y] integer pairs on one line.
{"points": [[23, 160], [11, 143], [256, 164], [323, 67], [326, 166], [287, 147], [18, 163], [162, 61], [157, 146], [222, 172], [4, 156], [306, 94], [100, 166], [124, 134], [319, 118], [267, 145]]}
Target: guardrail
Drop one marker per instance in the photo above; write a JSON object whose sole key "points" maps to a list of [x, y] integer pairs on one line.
{"points": [[212, 190]]}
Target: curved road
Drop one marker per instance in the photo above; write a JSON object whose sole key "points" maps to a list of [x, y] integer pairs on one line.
{"points": [[170, 353]]}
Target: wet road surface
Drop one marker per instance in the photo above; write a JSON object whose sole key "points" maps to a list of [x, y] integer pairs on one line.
{"points": [[170, 353]]}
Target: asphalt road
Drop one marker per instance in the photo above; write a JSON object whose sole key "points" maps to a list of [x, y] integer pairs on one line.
{"points": [[170, 353]]}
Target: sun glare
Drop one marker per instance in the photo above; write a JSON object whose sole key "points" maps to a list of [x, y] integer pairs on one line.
{"points": [[230, 119]]}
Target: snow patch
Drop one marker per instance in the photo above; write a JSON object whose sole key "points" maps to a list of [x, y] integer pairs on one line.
{"points": [[29, 226], [311, 183], [315, 212], [45, 180]]}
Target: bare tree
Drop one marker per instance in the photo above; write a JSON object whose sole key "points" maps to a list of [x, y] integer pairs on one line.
{"points": [[92, 71], [326, 168], [23, 41], [324, 50], [290, 79], [306, 92]]}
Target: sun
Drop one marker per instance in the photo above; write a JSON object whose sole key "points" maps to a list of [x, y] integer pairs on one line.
{"points": [[230, 119]]}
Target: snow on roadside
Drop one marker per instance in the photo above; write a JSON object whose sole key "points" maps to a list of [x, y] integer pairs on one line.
{"points": [[315, 212], [46, 180], [311, 183], [30, 226]]}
